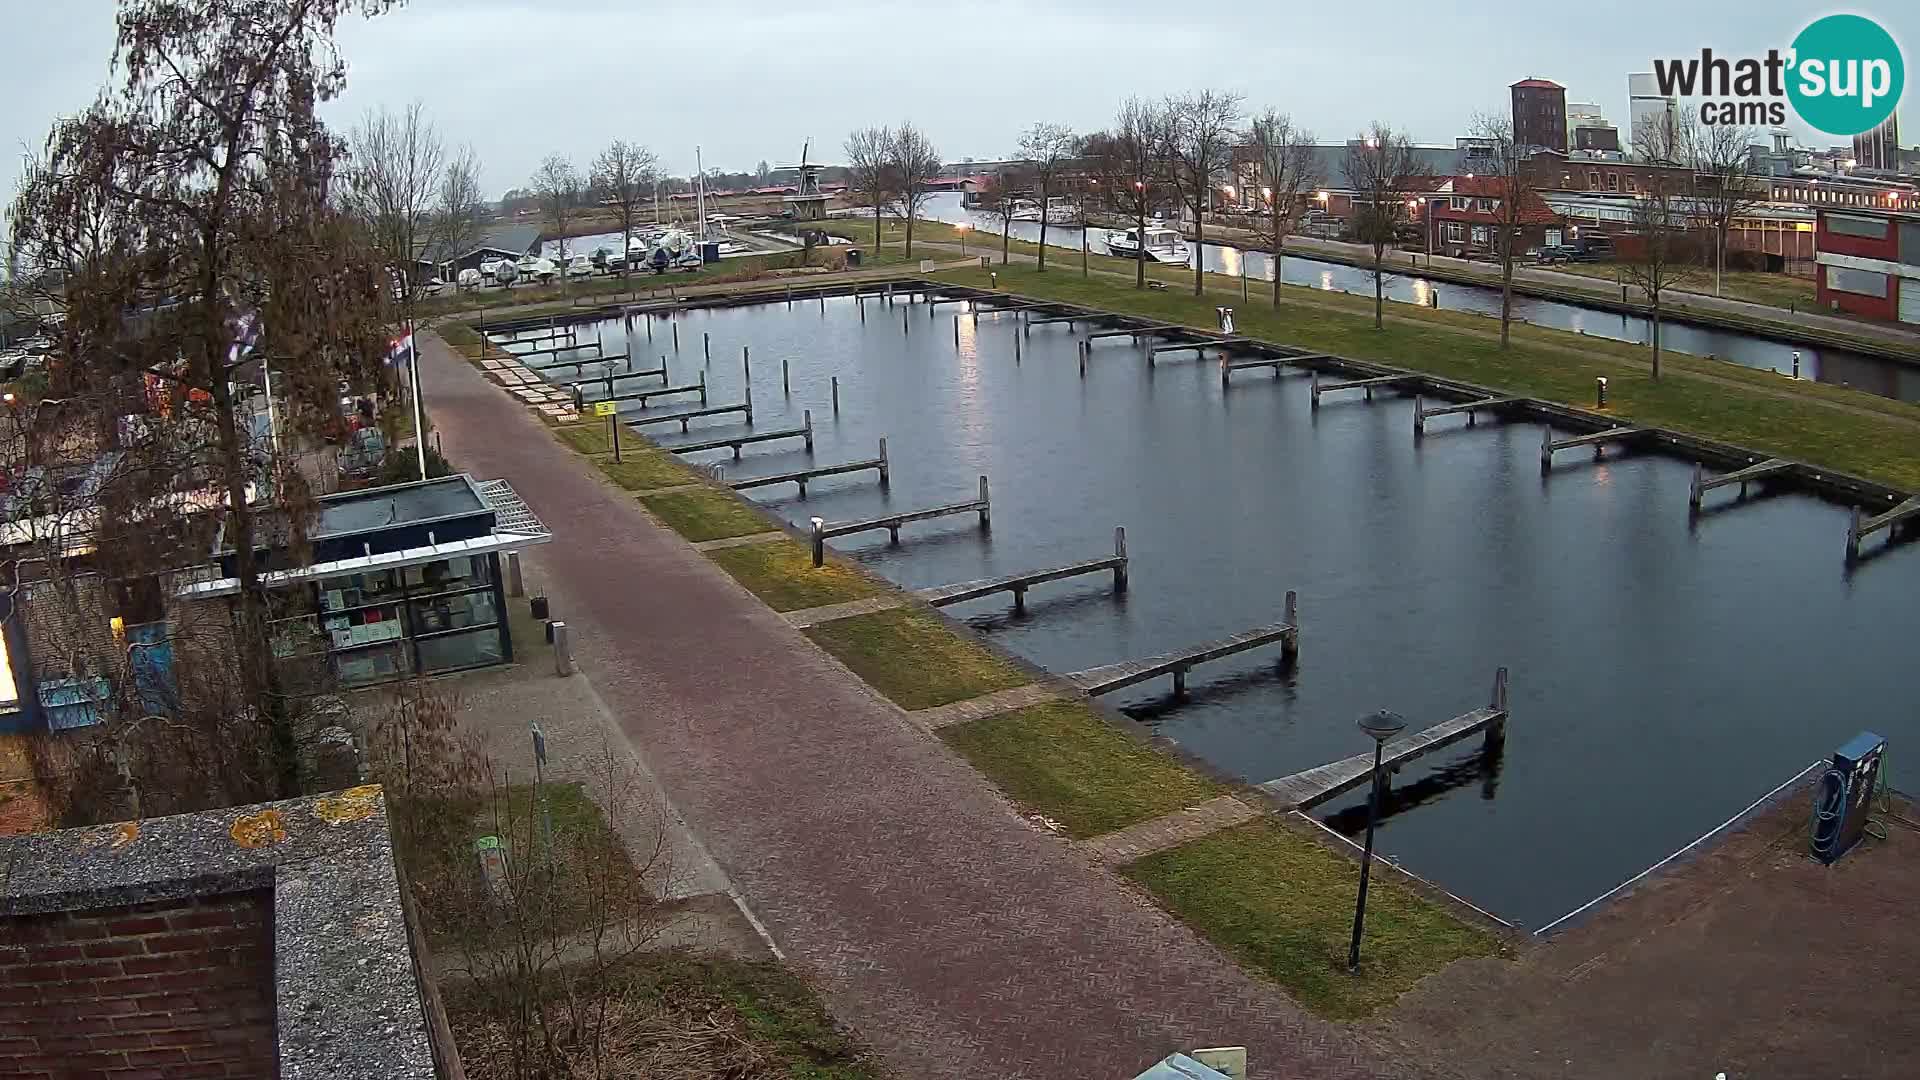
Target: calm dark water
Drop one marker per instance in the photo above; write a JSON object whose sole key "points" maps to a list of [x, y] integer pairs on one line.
{"points": [[1838, 366], [1663, 676]]}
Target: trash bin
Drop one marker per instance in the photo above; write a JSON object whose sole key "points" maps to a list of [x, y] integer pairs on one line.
{"points": [[710, 251], [853, 257]]}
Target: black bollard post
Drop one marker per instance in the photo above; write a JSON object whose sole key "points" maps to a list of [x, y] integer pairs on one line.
{"points": [[784, 387], [836, 395]]}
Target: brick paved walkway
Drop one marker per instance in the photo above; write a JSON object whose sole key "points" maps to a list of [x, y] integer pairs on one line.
{"points": [[957, 939], [1136, 842]]}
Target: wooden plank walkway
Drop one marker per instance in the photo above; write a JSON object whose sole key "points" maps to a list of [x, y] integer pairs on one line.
{"points": [[803, 476], [1598, 440], [588, 380], [1111, 677], [1136, 842], [1310, 787], [1859, 528], [1069, 319], [644, 396], [1703, 484], [1018, 584], [824, 530], [814, 616], [691, 414], [1228, 365], [979, 708], [1203, 344], [1358, 384], [805, 431], [1421, 414], [554, 349]]}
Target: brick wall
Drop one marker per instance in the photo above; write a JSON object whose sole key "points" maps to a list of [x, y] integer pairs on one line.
{"points": [[181, 989]]}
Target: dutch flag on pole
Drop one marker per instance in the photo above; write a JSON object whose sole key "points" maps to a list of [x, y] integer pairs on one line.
{"points": [[400, 350]]}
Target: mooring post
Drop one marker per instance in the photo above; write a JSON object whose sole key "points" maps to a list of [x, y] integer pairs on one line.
{"points": [[1316, 388], [1420, 416], [836, 395], [886, 478], [905, 326], [1497, 729], [819, 541], [1693, 489], [1016, 349], [649, 326], [1223, 371], [1546, 450], [1179, 682], [1120, 553], [863, 308], [986, 506], [749, 396], [1290, 645], [956, 329], [823, 305], [789, 297], [703, 388], [785, 387], [1853, 536], [1081, 351], [807, 424], [1019, 599]]}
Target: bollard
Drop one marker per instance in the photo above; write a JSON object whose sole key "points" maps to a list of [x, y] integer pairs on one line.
{"points": [[515, 585], [863, 310], [676, 337], [1693, 489], [706, 345], [1082, 352], [905, 327], [1120, 552], [956, 330], [562, 649], [819, 542], [785, 387], [1796, 363], [749, 403], [703, 388], [986, 507], [1546, 450], [1600, 392], [1314, 390], [1420, 417], [1016, 348], [1433, 297], [807, 423], [886, 470], [823, 305], [1290, 645], [993, 277], [538, 608], [836, 395]]}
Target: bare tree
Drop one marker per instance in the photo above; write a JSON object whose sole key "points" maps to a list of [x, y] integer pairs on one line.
{"points": [[463, 213], [557, 183], [624, 173], [1047, 148], [1204, 131], [1131, 161], [207, 180], [1509, 182], [1383, 172], [914, 162], [1002, 200], [870, 172], [1288, 167], [1726, 187], [1657, 257], [392, 183]]}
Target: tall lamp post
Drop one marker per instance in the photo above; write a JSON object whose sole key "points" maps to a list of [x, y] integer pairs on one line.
{"points": [[1381, 726]]}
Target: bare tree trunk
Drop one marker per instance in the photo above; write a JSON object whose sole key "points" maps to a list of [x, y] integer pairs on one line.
{"points": [[1140, 252], [1506, 289], [1379, 287], [1083, 241], [1006, 234], [1719, 258], [1279, 245], [910, 210], [1199, 248], [876, 232], [1656, 334], [1043, 228]]}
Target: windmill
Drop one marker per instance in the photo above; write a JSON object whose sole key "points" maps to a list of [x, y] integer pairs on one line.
{"points": [[808, 204]]}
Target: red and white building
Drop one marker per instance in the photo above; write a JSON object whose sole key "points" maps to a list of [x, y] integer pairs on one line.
{"points": [[1869, 263], [1464, 215]]}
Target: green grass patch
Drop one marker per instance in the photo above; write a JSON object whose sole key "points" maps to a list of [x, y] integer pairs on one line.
{"points": [[1282, 904], [913, 658], [706, 515], [1062, 760], [781, 572], [642, 468], [587, 438], [1831, 426]]}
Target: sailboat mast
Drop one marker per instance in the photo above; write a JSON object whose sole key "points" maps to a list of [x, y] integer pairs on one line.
{"points": [[699, 195]]}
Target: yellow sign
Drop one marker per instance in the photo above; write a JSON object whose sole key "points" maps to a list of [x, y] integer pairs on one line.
{"points": [[603, 408]]}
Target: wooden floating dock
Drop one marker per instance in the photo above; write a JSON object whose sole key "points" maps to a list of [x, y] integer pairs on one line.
{"points": [[589, 380], [1201, 345], [803, 476], [1228, 366], [1311, 787], [735, 442], [1149, 330], [1068, 319], [1358, 384], [557, 349], [1104, 680], [1421, 414], [644, 396], [1860, 527], [551, 333], [1018, 584], [1598, 440], [692, 414], [824, 530], [579, 366], [1701, 484]]}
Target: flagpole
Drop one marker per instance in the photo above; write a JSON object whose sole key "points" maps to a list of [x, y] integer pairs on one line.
{"points": [[419, 432]]}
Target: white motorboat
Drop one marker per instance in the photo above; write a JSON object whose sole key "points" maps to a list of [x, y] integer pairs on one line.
{"points": [[1024, 210], [1162, 245], [580, 266], [1062, 211]]}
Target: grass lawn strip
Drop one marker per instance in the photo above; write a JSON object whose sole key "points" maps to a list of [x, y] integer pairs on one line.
{"points": [[642, 468], [911, 657], [1282, 904], [781, 573], [1063, 760], [705, 514]]}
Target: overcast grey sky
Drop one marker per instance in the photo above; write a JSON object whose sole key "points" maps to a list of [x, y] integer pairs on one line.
{"points": [[749, 80]]}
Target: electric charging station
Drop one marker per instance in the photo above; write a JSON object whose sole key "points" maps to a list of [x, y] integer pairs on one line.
{"points": [[1843, 796]]}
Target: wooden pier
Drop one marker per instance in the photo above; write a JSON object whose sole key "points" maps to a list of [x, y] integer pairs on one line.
{"points": [[1201, 345], [1068, 319], [1421, 414], [1702, 484], [1598, 440], [1018, 584], [1149, 330], [1310, 787], [1860, 527], [644, 396], [745, 407], [825, 530], [1228, 366], [549, 333], [735, 442], [589, 380], [557, 349], [1358, 384], [1105, 680], [802, 477]]}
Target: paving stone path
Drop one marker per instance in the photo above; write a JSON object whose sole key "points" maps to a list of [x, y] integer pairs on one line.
{"points": [[955, 937]]}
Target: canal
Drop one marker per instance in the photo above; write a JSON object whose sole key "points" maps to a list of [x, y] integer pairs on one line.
{"points": [[1664, 673], [1887, 378]]}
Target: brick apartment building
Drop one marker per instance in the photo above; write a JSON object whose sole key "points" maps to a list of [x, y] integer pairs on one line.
{"points": [[1869, 263], [1540, 114], [1464, 215]]}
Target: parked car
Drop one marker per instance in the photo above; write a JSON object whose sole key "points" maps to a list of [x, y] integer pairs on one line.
{"points": [[1550, 254], [365, 450], [1592, 249]]}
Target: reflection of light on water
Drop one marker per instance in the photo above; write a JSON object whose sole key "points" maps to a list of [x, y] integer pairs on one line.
{"points": [[1326, 281], [1231, 261], [1422, 291]]}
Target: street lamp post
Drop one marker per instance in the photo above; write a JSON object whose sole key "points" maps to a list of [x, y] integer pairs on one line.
{"points": [[1381, 726]]}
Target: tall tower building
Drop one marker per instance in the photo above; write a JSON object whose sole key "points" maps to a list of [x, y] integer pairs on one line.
{"points": [[1649, 114], [1880, 147], [1540, 114]]}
